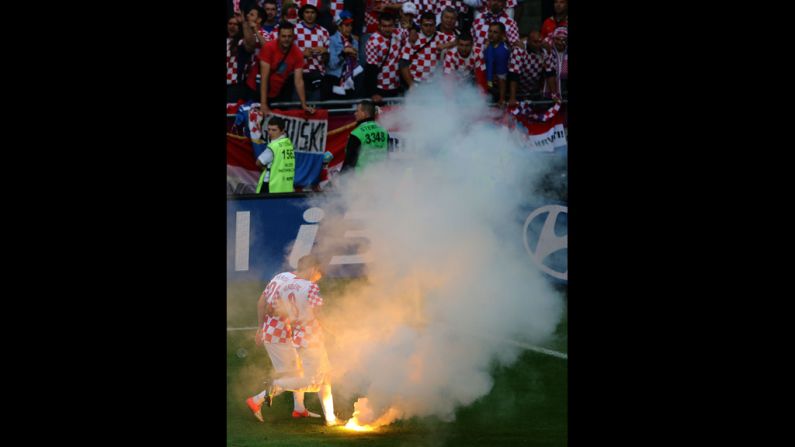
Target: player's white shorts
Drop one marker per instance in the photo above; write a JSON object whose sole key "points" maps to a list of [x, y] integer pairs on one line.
{"points": [[316, 368], [315, 364], [283, 357]]}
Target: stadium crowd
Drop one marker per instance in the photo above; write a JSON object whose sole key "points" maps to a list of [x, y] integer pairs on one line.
{"points": [[316, 50]]}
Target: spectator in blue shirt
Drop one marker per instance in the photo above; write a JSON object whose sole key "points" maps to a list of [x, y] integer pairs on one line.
{"points": [[497, 57], [343, 69]]}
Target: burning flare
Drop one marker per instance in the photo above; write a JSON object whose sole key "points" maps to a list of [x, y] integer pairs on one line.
{"points": [[364, 418]]}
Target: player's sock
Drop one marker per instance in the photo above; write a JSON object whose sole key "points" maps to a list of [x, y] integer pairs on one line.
{"points": [[327, 402], [259, 398], [298, 402]]}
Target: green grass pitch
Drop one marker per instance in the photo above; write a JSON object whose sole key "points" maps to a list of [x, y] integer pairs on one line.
{"points": [[527, 405]]}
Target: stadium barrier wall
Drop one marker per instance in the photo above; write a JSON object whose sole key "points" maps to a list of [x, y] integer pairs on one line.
{"points": [[267, 234]]}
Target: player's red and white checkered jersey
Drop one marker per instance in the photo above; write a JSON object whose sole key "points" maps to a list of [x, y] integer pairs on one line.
{"points": [[307, 334], [464, 67], [302, 297], [276, 329], [530, 67], [423, 55], [231, 62], [480, 28], [306, 37], [384, 53]]}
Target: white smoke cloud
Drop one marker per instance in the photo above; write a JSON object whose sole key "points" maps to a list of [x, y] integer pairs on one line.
{"points": [[450, 279]]}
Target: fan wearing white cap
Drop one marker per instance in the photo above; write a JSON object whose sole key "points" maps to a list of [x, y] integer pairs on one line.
{"points": [[407, 22]]}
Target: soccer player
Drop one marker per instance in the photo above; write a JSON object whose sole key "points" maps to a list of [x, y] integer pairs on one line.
{"points": [[297, 300], [275, 333]]}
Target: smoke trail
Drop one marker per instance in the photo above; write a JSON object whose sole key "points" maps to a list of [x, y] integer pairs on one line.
{"points": [[448, 279]]}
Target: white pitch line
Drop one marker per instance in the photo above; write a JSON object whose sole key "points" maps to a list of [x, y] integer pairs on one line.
{"points": [[560, 355]]}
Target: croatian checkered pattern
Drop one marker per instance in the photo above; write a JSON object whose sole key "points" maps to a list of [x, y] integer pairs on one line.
{"points": [[231, 64], [464, 68], [276, 330], [337, 6], [313, 297], [530, 67], [484, 8], [446, 37], [266, 37], [254, 126], [316, 3], [378, 51], [404, 35], [306, 37], [370, 22], [370, 17], [308, 334], [480, 28], [459, 5], [525, 108], [426, 5], [424, 61]]}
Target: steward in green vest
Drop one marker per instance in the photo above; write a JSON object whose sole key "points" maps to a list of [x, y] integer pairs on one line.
{"points": [[277, 161], [368, 141]]}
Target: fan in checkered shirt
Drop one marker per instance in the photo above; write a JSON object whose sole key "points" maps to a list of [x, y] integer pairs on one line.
{"points": [[531, 69], [313, 40], [382, 52], [296, 297], [420, 59], [482, 6], [561, 18], [235, 58], [496, 13], [560, 57], [465, 62]]}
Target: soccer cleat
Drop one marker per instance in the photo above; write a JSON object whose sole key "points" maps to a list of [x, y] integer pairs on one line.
{"points": [[256, 409], [332, 422], [305, 414]]}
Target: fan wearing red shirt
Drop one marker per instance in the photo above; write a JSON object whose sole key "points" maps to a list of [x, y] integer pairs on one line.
{"points": [[278, 59], [561, 18]]}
